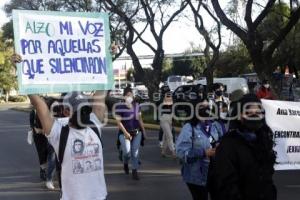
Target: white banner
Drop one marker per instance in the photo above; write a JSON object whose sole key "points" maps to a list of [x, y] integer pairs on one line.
{"points": [[283, 117]]}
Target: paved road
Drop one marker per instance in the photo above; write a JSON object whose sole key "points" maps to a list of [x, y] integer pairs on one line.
{"points": [[160, 179]]}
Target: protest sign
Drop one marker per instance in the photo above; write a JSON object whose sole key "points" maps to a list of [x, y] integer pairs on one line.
{"points": [[62, 51], [283, 117]]}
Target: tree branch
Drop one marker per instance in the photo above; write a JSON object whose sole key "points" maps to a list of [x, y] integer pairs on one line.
{"points": [[218, 25], [248, 15], [182, 7], [228, 23], [139, 36], [263, 13], [150, 18], [283, 32]]}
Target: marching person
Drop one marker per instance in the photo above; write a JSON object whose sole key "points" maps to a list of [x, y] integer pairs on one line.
{"points": [[75, 184], [245, 158], [131, 126], [45, 151], [264, 91], [92, 183], [166, 124], [194, 147]]}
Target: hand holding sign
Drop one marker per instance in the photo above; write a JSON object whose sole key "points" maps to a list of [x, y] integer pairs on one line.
{"points": [[16, 58], [62, 51]]}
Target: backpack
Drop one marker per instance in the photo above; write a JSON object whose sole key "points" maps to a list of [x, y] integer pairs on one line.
{"points": [[64, 134]]}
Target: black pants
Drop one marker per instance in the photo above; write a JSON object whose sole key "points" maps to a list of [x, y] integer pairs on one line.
{"points": [[198, 192], [41, 144]]}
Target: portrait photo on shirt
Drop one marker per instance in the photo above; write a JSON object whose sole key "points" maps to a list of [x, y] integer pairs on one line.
{"points": [[78, 167], [97, 164], [78, 147], [88, 164]]}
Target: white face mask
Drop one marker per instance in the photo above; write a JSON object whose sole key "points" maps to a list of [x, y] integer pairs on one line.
{"points": [[266, 85], [128, 100], [223, 115]]}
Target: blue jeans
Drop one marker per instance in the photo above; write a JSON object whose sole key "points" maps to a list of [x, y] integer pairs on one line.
{"points": [[131, 149], [51, 163]]}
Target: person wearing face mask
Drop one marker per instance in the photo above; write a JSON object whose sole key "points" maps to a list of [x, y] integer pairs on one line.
{"points": [[245, 157], [76, 185], [131, 126], [195, 147], [264, 91], [219, 93]]}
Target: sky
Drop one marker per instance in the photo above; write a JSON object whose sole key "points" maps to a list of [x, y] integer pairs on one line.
{"points": [[177, 39], [3, 18]]}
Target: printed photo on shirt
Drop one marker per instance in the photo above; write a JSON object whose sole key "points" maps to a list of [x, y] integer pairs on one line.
{"points": [[88, 166], [96, 148], [78, 147], [78, 167], [97, 164]]}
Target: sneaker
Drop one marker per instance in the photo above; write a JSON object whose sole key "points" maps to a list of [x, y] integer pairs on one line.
{"points": [[43, 174], [160, 144], [135, 175], [126, 169], [49, 185]]}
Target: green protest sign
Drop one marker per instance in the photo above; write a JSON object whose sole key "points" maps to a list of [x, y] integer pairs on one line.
{"points": [[62, 51]]}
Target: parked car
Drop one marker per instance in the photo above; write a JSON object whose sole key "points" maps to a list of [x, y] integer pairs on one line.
{"points": [[232, 84], [175, 81]]}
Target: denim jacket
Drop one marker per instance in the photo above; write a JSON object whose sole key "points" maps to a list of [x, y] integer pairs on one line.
{"points": [[194, 162]]}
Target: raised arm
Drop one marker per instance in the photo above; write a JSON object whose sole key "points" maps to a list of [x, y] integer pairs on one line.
{"points": [[42, 112]]}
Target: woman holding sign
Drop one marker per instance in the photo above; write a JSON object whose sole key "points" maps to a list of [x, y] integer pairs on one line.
{"points": [[245, 158], [131, 127]]}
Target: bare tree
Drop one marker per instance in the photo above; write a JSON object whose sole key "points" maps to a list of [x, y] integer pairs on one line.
{"points": [[261, 50], [211, 51], [158, 15]]}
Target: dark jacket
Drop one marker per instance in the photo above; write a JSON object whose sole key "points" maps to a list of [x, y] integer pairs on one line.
{"points": [[244, 167]]}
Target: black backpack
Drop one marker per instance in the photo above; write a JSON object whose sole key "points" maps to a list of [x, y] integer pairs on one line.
{"points": [[64, 134]]}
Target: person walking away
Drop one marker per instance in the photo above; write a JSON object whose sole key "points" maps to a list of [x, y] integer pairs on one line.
{"points": [[166, 125], [221, 125], [264, 91], [131, 126], [194, 148], [45, 150], [245, 157]]}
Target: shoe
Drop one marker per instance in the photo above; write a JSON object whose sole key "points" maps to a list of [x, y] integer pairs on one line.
{"points": [[163, 154], [160, 144], [126, 169], [43, 174], [135, 175], [49, 185]]}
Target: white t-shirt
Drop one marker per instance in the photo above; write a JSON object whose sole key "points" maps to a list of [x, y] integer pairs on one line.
{"points": [[82, 168]]}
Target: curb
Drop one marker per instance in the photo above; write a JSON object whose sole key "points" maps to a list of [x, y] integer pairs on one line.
{"points": [[111, 121], [21, 109]]}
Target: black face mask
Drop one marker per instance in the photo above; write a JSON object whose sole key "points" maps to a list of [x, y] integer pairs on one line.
{"points": [[81, 121], [253, 125], [219, 93], [204, 112]]}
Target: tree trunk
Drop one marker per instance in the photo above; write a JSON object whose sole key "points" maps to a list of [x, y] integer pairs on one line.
{"points": [[209, 74], [6, 96], [152, 81]]}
